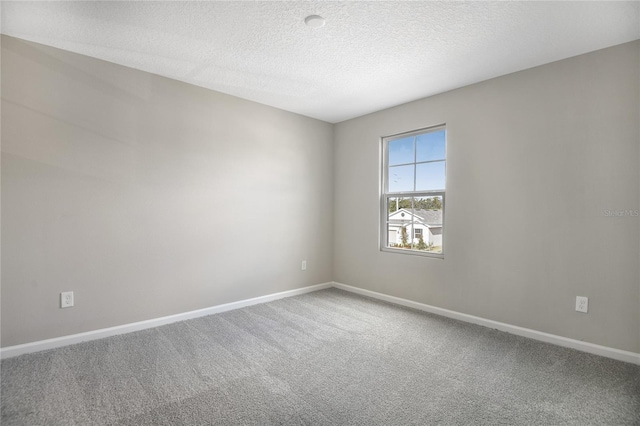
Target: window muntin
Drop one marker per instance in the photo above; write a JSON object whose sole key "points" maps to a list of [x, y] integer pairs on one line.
{"points": [[414, 180]]}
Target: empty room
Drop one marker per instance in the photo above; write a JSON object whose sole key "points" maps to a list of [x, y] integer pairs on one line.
{"points": [[320, 213]]}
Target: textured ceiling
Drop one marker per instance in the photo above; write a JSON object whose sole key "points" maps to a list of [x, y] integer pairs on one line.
{"points": [[369, 55]]}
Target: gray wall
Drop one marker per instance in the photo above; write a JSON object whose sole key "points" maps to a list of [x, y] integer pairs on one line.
{"points": [[149, 197], [534, 159]]}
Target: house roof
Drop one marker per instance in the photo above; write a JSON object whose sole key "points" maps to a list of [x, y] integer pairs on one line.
{"points": [[431, 218]]}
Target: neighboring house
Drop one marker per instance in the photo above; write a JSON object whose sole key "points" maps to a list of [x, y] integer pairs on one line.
{"points": [[425, 223]]}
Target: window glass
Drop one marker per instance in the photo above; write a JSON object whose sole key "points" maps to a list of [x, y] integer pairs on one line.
{"points": [[430, 146], [401, 151], [414, 173]]}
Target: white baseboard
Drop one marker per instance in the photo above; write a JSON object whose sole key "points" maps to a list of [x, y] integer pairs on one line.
{"points": [[618, 354], [57, 342]]}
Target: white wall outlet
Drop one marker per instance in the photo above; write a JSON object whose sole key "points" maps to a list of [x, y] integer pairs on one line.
{"points": [[66, 299], [304, 265], [582, 304]]}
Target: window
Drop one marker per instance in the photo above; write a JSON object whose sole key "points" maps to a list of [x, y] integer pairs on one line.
{"points": [[413, 192]]}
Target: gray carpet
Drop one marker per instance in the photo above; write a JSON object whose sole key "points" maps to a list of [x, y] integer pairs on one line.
{"points": [[323, 358]]}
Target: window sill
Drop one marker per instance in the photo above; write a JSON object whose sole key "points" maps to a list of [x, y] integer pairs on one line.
{"points": [[412, 252]]}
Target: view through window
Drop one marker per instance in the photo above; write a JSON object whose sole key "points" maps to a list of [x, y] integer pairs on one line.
{"points": [[414, 192]]}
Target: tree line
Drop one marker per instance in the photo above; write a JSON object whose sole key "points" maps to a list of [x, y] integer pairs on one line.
{"points": [[434, 203]]}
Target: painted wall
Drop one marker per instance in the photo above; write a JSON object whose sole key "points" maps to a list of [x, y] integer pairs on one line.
{"points": [[550, 148], [128, 189]]}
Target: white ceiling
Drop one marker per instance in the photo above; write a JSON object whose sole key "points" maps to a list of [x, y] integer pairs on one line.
{"points": [[369, 55]]}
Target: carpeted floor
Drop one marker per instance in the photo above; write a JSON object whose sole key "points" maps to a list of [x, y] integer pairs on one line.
{"points": [[323, 358]]}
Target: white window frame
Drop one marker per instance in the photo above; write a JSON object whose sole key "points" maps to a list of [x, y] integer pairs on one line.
{"points": [[386, 195]]}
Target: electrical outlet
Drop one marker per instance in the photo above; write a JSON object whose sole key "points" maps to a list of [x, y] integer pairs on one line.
{"points": [[582, 304], [304, 265], [66, 299]]}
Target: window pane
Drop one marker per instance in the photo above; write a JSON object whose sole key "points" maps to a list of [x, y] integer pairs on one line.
{"points": [[430, 146], [430, 176], [416, 225], [399, 223], [392, 206], [401, 151], [427, 224], [401, 178]]}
